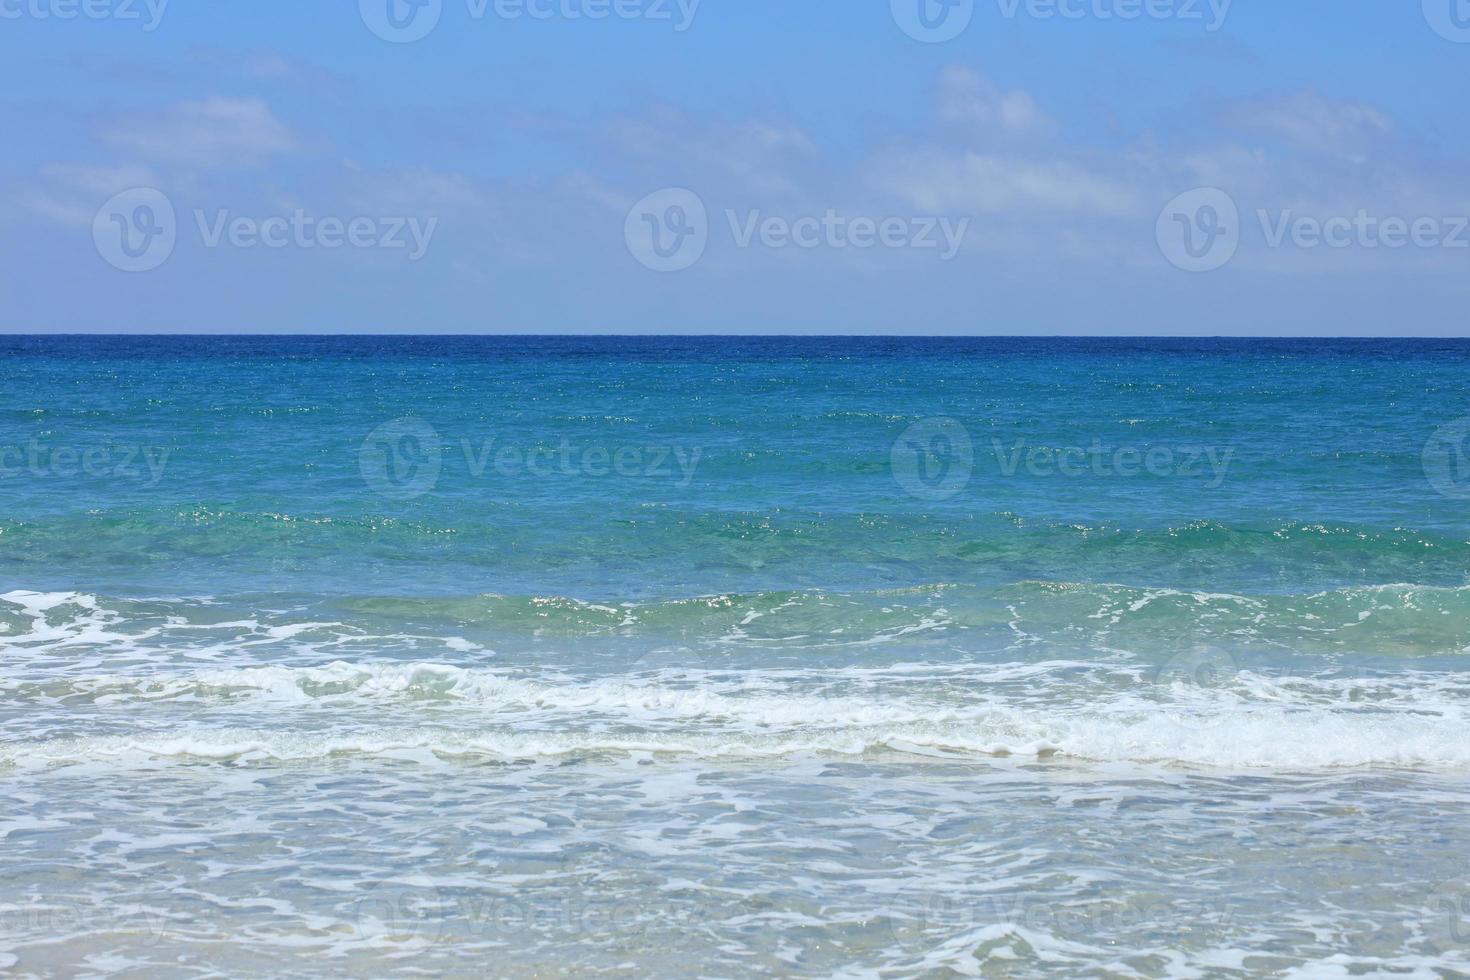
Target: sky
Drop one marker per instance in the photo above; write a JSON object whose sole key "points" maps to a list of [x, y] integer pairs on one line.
{"points": [[903, 167]]}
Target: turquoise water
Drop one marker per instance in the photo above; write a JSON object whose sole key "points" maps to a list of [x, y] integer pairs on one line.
{"points": [[817, 657]]}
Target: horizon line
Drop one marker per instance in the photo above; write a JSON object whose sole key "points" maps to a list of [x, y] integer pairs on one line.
{"points": [[727, 336]]}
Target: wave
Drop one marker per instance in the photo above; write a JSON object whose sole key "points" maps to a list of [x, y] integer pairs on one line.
{"points": [[1097, 672], [1400, 620], [851, 695], [1262, 743], [503, 542], [1087, 712]]}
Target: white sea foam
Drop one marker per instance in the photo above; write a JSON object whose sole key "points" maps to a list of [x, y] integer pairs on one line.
{"points": [[1258, 743], [90, 680], [1025, 710]]}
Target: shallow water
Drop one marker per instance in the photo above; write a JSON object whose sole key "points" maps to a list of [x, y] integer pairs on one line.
{"points": [[538, 657]]}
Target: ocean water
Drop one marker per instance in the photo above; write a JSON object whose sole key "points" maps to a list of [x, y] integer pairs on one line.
{"points": [[727, 657]]}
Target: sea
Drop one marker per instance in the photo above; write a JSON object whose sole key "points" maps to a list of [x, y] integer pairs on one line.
{"points": [[734, 656]]}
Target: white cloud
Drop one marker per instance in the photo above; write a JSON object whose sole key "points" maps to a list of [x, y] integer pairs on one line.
{"points": [[269, 66], [971, 182], [994, 173], [99, 180], [969, 100], [412, 192], [1312, 122], [756, 157], [72, 193], [213, 132], [1230, 165]]}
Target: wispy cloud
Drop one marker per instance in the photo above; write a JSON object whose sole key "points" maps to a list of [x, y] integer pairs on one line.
{"points": [[69, 194], [940, 182], [1312, 123], [1009, 161], [757, 156], [973, 102], [212, 132]]}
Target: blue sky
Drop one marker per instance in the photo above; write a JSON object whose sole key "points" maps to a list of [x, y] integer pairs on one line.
{"points": [[821, 166]]}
